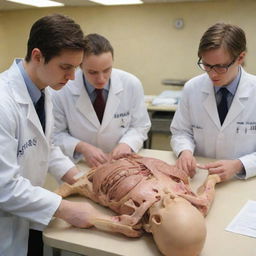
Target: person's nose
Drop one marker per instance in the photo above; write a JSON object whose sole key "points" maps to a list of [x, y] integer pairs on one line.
{"points": [[70, 75], [101, 78], [212, 73]]}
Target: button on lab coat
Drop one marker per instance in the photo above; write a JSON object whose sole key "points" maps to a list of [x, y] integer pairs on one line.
{"points": [[26, 155], [125, 118], [196, 125]]}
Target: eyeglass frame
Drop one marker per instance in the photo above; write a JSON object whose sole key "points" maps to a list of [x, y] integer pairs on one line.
{"points": [[213, 66]]}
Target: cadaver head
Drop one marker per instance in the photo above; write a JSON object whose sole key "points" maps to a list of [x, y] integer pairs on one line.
{"points": [[178, 227]]}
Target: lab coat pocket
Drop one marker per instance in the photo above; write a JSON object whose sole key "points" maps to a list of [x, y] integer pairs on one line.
{"points": [[6, 234]]}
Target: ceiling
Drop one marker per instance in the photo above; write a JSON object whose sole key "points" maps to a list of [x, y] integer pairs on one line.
{"points": [[5, 5]]}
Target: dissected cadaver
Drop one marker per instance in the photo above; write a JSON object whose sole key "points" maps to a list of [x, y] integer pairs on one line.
{"points": [[149, 195]]}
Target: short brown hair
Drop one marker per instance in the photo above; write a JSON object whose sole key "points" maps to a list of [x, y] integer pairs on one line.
{"points": [[53, 33], [96, 44], [231, 37]]}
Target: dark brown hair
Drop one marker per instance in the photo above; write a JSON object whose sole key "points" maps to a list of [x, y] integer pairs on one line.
{"points": [[231, 37], [53, 33], [97, 44]]}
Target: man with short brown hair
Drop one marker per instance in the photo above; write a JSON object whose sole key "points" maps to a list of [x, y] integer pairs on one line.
{"points": [[55, 49]]}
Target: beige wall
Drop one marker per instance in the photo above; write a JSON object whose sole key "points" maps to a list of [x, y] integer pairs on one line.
{"points": [[144, 38]]}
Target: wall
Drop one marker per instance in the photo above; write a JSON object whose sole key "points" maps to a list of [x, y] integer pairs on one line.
{"points": [[144, 38]]}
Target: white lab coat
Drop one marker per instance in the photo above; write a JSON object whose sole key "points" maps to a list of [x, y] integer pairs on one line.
{"points": [[125, 118], [196, 124], [26, 154]]}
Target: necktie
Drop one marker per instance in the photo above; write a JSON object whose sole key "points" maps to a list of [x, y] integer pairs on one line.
{"points": [[40, 110], [99, 104], [223, 105]]}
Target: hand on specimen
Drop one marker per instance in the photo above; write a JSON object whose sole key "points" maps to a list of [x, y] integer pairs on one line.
{"points": [[94, 156], [69, 175], [78, 214], [121, 150], [226, 169], [187, 162]]}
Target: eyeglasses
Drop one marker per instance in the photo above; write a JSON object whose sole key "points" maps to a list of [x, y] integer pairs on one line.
{"points": [[220, 69]]}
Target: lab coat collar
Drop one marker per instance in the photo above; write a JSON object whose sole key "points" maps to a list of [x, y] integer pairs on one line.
{"points": [[209, 101], [21, 96], [116, 86], [83, 102], [236, 107], [82, 99]]}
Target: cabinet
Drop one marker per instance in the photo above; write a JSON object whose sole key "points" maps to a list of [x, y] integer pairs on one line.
{"points": [[161, 118]]}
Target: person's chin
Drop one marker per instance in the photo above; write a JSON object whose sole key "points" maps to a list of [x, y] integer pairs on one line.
{"points": [[58, 86], [217, 82], [99, 86]]}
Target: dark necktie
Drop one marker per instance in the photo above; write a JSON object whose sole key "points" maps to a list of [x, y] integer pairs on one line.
{"points": [[99, 104], [40, 110], [223, 105]]}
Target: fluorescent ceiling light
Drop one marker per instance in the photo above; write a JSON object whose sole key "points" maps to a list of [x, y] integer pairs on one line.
{"points": [[38, 3], [117, 2]]}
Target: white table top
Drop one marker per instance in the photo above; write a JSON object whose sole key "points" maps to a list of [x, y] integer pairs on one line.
{"points": [[230, 198]]}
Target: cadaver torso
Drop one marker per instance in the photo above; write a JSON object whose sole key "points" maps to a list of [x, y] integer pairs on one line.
{"points": [[131, 185]]}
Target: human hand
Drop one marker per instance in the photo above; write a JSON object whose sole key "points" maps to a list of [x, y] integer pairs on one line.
{"points": [[78, 214], [187, 163], [94, 156], [69, 175], [226, 169], [121, 150]]}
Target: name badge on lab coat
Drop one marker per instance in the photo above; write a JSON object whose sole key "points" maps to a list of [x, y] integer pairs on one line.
{"points": [[246, 128], [124, 117]]}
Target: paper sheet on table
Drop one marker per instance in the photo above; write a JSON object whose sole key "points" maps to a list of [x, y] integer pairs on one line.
{"points": [[245, 221]]}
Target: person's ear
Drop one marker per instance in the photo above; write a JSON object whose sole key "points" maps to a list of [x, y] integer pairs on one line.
{"points": [[36, 55], [241, 58]]}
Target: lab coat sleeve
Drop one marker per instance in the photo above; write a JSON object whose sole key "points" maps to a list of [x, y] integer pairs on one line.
{"points": [[249, 163], [17, 195], [181, 127], [62, 137], [59, 164], [140, 121]]}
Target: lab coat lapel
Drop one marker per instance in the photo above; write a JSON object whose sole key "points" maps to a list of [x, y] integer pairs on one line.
{"points": [[237, 106], [83, 101], [113, 101], [210, 103], [48, 114], [21, 96]]}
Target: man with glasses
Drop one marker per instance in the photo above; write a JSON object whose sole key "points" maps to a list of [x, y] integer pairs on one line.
{"points": [[216, 115]]}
